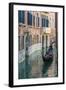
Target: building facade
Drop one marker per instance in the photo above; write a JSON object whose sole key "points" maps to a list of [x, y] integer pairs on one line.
{"points": [[36, 29]]}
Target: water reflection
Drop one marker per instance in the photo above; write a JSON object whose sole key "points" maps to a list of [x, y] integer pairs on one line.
{"points": [[45, 68], [34, 67]]}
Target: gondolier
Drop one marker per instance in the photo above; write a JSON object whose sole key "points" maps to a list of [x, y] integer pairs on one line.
{"points": [[49, 54]]}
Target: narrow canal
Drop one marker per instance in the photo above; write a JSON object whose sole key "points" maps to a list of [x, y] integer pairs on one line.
{"points": [[34, 67]]}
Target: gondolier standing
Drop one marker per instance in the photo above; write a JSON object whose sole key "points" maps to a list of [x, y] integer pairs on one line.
{"points": [[49, 54]]}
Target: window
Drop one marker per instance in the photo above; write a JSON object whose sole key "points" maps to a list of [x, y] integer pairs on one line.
{"points": [[33, 20], [21, 16], [20, 42], [29, 18], [45, 21], [37, 20]]}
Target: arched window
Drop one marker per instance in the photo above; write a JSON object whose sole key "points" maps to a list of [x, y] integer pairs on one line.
{"points": [[20, 42]]}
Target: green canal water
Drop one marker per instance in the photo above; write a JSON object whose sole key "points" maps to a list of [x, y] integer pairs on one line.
{"points": [[34, 67]]}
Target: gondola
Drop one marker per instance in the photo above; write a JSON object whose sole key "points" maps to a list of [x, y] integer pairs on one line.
{"points": [[49, 55]]}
